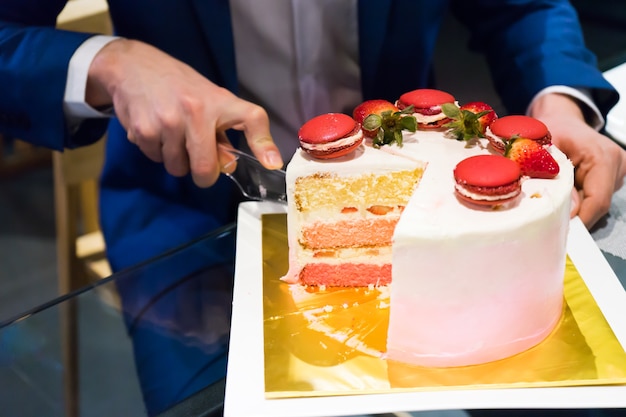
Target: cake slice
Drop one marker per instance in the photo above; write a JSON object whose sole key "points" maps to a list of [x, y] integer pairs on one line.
{"points": [[342, 215]]}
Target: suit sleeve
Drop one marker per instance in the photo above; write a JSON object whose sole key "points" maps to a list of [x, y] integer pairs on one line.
{"points": [[531, 45], [34, 58]]}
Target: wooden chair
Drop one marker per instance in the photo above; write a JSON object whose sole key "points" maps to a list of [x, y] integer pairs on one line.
{"points": [[17, 157], [81, 254], [80, 246], [86, 16]]}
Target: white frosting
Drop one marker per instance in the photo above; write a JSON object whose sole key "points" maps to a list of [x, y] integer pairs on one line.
{"points": [[469, 284], [363, 159]]}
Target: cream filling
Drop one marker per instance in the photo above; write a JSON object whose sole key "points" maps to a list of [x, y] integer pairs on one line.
{"points": [[347, 141], [329, 215], [425, 119], [482, 197], [378, 255], [489, 134]]}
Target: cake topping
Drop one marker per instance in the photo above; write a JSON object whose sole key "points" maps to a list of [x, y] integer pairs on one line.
{"points": [[330, 135], [533, 159], [426, 104], [368, 107], [326, 128], [384, 122], [425, 99], [487, 180], [519, 125], [508, 127], [470, 120]]}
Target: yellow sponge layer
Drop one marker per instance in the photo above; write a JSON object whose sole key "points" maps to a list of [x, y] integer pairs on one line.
{"points": [[326, 191]]}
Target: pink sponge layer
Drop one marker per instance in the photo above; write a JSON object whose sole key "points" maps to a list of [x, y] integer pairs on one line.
{"points": [[345, 274], [350, 233]]}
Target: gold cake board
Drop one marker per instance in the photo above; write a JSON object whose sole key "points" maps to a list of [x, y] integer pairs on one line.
{"points": [[327, 343]]}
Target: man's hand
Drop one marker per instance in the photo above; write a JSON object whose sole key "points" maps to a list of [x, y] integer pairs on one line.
{"points": [[599, 163], [174, 114]]}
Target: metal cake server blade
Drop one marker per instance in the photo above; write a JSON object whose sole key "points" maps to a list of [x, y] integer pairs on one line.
{"points": [[254, 180]]}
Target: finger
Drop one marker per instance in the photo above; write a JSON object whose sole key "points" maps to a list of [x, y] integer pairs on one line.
{"points": [[146, 136], [200, 147], [266, 151], [175, 158], [622, 172], [228, 161], [596, 196], [254, 123], [591, 210], [173, 151]]}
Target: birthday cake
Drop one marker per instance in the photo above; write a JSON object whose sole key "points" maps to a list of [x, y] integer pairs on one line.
{"points": [[473, 256]]}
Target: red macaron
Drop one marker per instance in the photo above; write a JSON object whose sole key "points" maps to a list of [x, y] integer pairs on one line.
{"points": [[505, 128], [487, 180], [426, 104], [330, 135]]}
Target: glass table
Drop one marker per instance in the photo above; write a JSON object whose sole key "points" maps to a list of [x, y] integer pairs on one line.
{"points": [[73, 355]]}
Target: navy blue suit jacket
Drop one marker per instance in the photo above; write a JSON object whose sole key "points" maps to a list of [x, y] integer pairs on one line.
{"points": [[144, 210]]}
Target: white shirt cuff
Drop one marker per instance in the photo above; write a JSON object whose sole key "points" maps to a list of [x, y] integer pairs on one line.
{"points": [[591, 112], [74, 103]]}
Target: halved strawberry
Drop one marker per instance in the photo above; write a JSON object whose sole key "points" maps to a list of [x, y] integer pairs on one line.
{"points": [[470, 120], [534, 160], [384, 122]]}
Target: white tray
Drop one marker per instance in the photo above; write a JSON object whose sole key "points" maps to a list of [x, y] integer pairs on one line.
{"points": [[245, 393]]}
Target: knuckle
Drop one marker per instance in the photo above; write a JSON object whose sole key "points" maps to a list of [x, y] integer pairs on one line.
{"points": [[257, 113], [191, 103], [144, 132], [169, 119]]}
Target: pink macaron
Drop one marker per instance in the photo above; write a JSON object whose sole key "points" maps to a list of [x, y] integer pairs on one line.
{"points": [[487, 180], [505, 128], [330, 135]]}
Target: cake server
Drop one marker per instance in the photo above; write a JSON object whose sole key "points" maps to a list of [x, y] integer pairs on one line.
{"points": [[254, 180]]}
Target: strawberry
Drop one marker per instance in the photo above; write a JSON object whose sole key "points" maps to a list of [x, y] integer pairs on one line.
{"points": [[372, 107], [534, 160], [470, 120], [384, 122]]}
